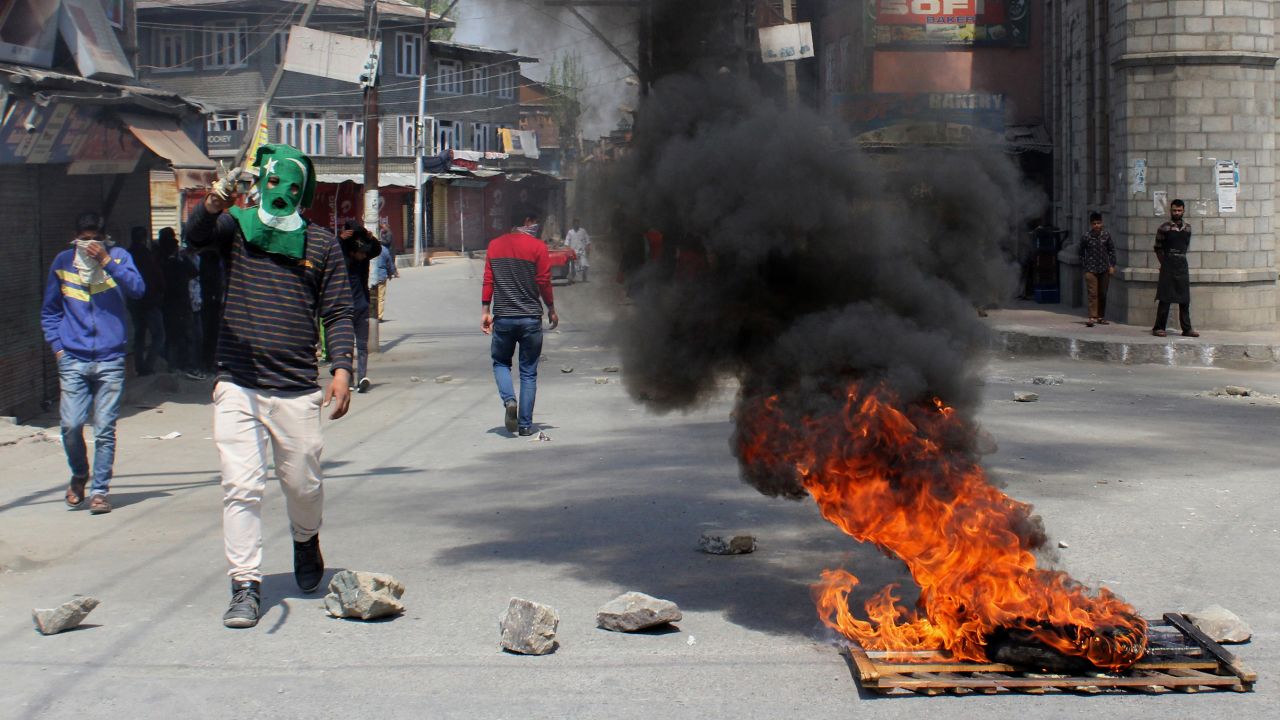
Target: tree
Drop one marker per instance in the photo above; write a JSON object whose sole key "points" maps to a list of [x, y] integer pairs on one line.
{"points": [[565, 85], [438, 7]]}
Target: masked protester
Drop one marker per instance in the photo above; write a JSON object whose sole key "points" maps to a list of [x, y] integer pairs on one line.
{"points": [[285, 279], [83, 318]]}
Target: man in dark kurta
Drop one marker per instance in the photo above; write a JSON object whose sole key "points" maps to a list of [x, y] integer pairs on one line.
{"points": [[1172, 241]]}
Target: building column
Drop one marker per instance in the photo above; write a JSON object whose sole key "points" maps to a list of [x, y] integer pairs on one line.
{"points": [[1194, 82]]}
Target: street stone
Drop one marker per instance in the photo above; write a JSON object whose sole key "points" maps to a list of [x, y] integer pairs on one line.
{"points": [[1047, 380], [985, 443], [720, 542], [64, 617], [611, 369], [1221, 625], [602, 381], [1237, 390], [1025, 397], [363, 595], [529, 628], [566, 369], [634, 611], [442, 379]]}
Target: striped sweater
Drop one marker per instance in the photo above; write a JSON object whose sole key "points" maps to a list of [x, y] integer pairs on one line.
{"points": [[268, 333], [517, 271]]}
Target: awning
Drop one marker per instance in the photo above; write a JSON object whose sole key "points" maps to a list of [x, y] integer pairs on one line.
{"points": [[191, 167], [385, 179]]}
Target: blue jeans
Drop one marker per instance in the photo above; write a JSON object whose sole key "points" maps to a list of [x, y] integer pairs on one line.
{"points": [[527, 333], [85, 385]]}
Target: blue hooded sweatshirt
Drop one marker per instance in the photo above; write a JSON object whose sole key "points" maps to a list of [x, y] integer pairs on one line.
{"points": [[88, 321]]}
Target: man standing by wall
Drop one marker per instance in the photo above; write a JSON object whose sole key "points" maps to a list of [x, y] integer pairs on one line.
{"points": [[83, 318], [578, 239], [1172, 241], [1098, 259], [384, 268], [284, 277], [517, 281]]}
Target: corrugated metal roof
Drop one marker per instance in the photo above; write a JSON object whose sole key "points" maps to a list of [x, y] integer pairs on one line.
{"points": [[385, 7], [233, 91]]}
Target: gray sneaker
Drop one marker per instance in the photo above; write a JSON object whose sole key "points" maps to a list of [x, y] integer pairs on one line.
{"points": [[512, 409], [245, 599]]}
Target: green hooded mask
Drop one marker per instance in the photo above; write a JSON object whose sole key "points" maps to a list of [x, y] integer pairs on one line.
{"points": [[275, 225]]}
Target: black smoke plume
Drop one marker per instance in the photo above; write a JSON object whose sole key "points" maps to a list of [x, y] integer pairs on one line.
{"points": [[798, 263]]}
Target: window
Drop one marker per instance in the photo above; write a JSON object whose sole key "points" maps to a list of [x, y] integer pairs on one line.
{"points": [[479, 80], [484, 137], [406, 135], [170, 51], [281, 42], [408, 54], [226, 122], [507, 84], [447, 132], [449, 77], [304, 131], [225, 44], [350, 137]]}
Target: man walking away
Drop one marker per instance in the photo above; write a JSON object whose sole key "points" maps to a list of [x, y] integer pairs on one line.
{"points": [[1172, 242], [83, 318], [284, 277], [358, 247], [517, 282], [578, 239], [1098, 258]]}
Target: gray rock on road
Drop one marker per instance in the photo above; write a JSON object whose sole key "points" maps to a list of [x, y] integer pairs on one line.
{"points": [[720, 542], [636, 611], [1221, 625], [64, 617], [363, 595], [529, 628], [1048, 380], [1025, 397]]}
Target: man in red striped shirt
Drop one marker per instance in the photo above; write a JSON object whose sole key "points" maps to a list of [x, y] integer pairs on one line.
{"points": [[517, 282]]}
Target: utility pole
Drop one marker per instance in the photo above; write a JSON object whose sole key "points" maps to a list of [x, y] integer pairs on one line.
{"points": [[789, 67], [371, 122]]}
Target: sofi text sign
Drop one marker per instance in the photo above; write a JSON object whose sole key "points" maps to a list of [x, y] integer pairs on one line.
{"points": [[965, 22]]}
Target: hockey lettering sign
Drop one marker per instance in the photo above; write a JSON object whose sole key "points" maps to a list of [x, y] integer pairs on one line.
{"points": [[953, 22]]}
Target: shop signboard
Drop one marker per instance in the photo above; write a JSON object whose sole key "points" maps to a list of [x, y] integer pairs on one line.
{"points": [[915, 23]]}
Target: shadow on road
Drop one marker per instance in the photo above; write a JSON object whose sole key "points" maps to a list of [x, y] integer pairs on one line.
{"points": [[631, 518]]}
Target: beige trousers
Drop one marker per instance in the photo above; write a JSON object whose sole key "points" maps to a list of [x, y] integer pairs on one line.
{"points": [[381, 293], [244, 421]]}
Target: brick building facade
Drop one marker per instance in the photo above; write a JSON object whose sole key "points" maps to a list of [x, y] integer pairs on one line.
{"points": [[1147, 97]]}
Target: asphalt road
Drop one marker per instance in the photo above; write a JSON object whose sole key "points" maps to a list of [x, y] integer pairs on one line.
{"points": [[1162, 493]]}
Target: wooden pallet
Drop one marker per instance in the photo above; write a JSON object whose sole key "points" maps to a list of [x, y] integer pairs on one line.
{"points": [[1179, 658]]}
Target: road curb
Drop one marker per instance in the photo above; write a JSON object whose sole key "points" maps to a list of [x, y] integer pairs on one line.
{"points": [[1175, 351]]}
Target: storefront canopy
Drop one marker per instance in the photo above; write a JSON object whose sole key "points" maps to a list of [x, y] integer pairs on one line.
{"points": [[191, 167]]}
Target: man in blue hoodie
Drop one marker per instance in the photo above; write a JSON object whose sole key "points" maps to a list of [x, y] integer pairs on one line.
{"points": [[83, 318]]}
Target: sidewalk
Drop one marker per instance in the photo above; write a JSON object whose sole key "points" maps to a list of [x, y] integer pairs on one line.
{"points": [[1028, 329]]}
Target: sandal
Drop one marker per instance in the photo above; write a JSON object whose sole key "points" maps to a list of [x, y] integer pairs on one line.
{"points": [[1103, 321], [75, 493]]}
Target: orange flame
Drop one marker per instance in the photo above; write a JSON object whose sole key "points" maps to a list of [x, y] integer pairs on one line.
{"points": [[891, 476]]}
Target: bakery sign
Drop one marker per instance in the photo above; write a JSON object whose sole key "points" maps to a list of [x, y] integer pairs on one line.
{"points": [[1001, 23]]}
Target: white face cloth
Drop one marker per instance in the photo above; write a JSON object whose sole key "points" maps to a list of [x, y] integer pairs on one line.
{"points": [[286, 223], [89, 270]]}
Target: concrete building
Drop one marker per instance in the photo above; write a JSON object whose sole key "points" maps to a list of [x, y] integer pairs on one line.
{"points": [[1153, 100], [223, 53]]}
